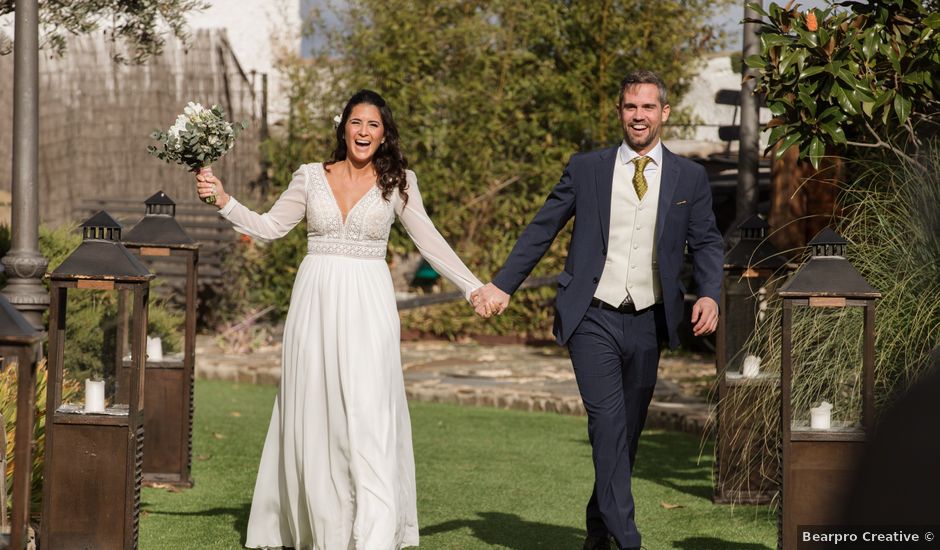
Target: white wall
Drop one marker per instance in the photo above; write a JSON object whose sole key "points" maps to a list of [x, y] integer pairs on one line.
{"points": [[716, 73], [259, 31]]}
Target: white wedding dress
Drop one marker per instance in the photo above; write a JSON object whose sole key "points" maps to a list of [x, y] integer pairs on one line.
{"points": [[337, 469]]}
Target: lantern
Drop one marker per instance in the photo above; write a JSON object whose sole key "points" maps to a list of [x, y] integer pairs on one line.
{"points": [[92, 472], [164, 244], [19, 345], [743, 469], [820, 453]]}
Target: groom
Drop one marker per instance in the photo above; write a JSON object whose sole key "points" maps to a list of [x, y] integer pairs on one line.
{"points": [[637, 208]]}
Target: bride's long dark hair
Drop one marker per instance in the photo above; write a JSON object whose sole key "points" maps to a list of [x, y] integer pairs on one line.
{"points": [[389, 162]]}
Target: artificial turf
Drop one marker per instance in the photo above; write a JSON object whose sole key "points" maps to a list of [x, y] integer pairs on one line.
{"points": [[486, 479]]}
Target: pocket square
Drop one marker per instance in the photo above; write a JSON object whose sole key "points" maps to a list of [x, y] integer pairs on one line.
{"points": [[680, 203]]}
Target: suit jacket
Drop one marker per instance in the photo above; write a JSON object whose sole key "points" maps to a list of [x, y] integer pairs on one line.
{"points": [[684, 218]]}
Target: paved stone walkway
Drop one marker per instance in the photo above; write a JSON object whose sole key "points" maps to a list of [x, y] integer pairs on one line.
{"points": [[508, 376]]}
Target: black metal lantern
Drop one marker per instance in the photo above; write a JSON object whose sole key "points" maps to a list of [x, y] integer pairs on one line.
{"points": [[820, 455], [742, 467], [163, 243], [92, 472], [20, 345]]}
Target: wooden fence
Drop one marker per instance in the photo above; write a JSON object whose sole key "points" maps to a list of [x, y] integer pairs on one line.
{"points": [[96, 117]]}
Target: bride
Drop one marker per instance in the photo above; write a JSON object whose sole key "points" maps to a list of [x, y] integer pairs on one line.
{"points": [[337, 469]]}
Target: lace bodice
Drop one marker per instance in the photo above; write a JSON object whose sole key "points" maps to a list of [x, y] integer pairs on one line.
{"points": [[364, 234]]}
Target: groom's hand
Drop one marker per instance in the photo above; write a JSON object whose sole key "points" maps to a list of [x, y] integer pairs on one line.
{"points": [[489, 299], [704, 316]]}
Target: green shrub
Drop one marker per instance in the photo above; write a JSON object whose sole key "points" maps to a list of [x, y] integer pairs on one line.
{"points": [[491, 101], [8, 389], [889, 218], [91, 317]]}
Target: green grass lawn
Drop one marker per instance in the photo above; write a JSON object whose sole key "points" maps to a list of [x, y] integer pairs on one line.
{"points": [[486, 479]]}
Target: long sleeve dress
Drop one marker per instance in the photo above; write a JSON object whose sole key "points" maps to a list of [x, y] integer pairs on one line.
{"points": [[337, 469]]}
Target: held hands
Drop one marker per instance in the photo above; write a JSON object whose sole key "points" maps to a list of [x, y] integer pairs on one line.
{"points": [[488, 300], [704, 316], [208, 185]]}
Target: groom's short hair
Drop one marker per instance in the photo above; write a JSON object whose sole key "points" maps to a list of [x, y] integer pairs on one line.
{"points": [[643, 76]]}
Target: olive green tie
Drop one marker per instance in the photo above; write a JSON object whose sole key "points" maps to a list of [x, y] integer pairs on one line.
{"points": [[639, 179]]}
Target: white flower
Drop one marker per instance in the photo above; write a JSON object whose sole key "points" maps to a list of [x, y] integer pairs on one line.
{"points": [[193, 109], [337, 119], [207, 137]]}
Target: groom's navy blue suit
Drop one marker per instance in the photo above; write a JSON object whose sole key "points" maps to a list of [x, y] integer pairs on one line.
{"points": [[615, 355]]}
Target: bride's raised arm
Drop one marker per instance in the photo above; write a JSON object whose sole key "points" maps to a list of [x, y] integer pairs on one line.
{"points": [[284, 214], [429, 240]]}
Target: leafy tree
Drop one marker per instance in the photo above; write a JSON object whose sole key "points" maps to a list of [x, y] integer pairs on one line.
{"points": [[491, 97], [140, 25], [863, 76]]}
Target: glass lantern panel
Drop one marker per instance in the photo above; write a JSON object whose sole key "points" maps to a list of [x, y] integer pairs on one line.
{"points": [[745, 304], [828, 373], [96, 346], [167, 313]]}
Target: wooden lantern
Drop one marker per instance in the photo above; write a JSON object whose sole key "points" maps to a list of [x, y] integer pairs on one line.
{"points": [[92, 473], [19, 344], [818, 465], [743, 469], [163, 243]]}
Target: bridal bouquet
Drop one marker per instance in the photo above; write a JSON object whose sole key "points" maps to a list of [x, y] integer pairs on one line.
{"points": [[199, 137]]}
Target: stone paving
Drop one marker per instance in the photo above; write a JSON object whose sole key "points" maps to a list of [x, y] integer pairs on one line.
{"points": [[508, 376]]}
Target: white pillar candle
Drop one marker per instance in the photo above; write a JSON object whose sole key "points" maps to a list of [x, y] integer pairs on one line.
{"points": [[94, 396], [154, 349], [820, 418], [751, 367]]}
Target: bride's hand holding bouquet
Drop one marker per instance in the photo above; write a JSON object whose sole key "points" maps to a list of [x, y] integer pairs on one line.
{"points": [[199, 137]]}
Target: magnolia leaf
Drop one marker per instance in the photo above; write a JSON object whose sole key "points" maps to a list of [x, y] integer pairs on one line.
{"points": [[830, 113], [812, 70], [816, 150], [843, 99], [902, 106], [835, 132], [769, 40], [777, 108], [788, 142], [808, 103], [870, 43], [933, 21], [755, 61]]}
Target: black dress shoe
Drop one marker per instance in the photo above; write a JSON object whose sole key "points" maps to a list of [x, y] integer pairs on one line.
{"points": [[596, 543], [593, 542]]}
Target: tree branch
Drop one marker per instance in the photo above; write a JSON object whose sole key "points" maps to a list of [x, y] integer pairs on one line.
{"points": [[884, 144]]}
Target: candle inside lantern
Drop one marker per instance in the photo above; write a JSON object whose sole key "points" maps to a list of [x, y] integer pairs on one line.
{"points": [[820, 418], [154, 349], [751, 366], [94, 396]]}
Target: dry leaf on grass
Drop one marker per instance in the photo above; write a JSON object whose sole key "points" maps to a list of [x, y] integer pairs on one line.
{"points": [[236, 414], [669, 506], [203, 458], [217, 435]]}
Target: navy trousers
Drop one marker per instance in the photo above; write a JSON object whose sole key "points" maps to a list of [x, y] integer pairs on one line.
{"points": [[615, 358]]}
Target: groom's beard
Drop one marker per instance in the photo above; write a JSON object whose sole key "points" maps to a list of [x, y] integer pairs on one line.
{"points": [[643, 141]]}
